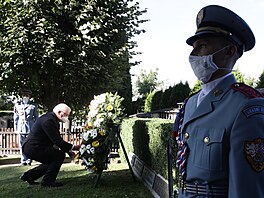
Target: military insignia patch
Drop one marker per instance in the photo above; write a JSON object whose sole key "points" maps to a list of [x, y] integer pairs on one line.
{"points": [[253, 110], [255, 153]]}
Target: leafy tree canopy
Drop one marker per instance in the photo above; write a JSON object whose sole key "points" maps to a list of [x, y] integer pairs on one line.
{"points": [[66, 50], [147, 82]]}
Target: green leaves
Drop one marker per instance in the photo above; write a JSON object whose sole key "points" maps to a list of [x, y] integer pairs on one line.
{"points": [[67, 50]]}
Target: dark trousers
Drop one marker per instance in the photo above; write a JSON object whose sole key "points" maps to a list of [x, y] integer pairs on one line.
{"points": [[50, 158]]}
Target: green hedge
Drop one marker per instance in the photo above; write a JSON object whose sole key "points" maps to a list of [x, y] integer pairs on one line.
{"points": [[147, 138]]}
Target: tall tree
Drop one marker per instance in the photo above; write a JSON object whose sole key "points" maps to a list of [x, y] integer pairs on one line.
{"points": [[155, 104], [148, 102], [238, 75], [260, 83], [251, 81], [147, 82], [67, 51], [179, 93], [164, 102]]}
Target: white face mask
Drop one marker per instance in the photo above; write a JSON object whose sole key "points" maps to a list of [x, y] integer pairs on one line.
{"points": [[65, 119], [25, 100], [204, 66]]}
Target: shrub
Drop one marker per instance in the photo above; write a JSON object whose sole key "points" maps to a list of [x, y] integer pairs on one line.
{"points": [[147, 138]]}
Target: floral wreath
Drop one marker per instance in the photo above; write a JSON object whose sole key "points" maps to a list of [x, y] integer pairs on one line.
{"points": [[105, 113]]}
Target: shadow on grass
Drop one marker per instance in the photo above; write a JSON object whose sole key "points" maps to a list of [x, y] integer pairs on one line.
{"points": [[15, 159], [77, 183]]}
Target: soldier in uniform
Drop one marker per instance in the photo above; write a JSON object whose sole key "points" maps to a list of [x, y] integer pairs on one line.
{"points": [[25, 114], [220, 130]]}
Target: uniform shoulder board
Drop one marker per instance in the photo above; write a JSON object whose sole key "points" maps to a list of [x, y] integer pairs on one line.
{"points": [[246, 90]]}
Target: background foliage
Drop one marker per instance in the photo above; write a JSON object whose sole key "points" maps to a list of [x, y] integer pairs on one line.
{"points": [[67, 51]]}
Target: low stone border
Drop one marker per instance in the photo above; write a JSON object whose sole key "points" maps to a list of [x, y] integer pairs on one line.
{"points": [[152, 180]]}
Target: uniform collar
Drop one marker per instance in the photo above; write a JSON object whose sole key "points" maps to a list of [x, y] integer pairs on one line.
{"points": [[206, 88], [207, 105]]}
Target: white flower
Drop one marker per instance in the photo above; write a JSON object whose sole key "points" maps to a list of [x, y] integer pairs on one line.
{"points": [[110, 114], [88, 146], [92, 113], [86, 136], [101, 98], [92, 150], [82, 151], [94, 133], [97, 122]]}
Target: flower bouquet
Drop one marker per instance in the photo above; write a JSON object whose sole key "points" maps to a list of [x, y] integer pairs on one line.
{"points": [[105, 113]]}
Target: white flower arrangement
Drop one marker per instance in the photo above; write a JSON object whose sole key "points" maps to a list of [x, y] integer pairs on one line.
{"points": [[105, 111]]}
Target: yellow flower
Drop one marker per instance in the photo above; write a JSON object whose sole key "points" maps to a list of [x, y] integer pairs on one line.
{"points": [[102, 132], [94, 168], [89, 124], [109, 108], [95, 143]]}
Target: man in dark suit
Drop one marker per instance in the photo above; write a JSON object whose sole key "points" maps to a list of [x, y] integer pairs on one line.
{"points": [[44, 144]]}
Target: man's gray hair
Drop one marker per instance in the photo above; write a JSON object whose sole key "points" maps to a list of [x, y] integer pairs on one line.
{"points": [[62, 107]]}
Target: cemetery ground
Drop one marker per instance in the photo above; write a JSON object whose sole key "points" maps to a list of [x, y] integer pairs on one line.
{"points": [[116, 181]]}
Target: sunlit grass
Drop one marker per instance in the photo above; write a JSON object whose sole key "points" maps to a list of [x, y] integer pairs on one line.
{"points": [[117, 181]]}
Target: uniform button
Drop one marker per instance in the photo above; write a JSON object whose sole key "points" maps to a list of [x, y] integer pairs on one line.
{"points": [[206, 140], [186, 135], [218, 92]]}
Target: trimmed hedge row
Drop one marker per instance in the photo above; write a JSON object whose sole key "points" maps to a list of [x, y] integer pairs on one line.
{"points": [[147, 138]]}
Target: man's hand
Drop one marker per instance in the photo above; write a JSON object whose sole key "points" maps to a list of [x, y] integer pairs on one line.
{"points": [[74, 156], [71, 154], [77, 147]]}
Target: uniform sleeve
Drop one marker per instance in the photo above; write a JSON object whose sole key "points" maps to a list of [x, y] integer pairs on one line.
{"points": [[246, 159], [16, 117], [49, 126]]}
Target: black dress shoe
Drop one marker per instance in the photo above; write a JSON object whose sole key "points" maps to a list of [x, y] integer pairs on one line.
{"points": [[29, 181], [51, 184]]}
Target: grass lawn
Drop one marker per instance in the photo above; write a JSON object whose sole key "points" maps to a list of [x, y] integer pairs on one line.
{"points": [[115, 182]]}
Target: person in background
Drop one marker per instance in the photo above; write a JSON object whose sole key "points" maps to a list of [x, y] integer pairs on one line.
{"points": [[220, 130], [45, 145], [25, 114]]}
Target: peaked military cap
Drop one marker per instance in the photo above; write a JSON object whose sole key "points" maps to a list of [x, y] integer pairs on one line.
{"points": [[215, 20]]}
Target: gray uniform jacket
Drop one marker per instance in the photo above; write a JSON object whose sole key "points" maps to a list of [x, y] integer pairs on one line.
{"points": [[24, 116], [225, 136]]}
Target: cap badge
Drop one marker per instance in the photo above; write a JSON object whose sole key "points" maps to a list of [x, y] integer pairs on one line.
{"points": [[255, 153], [200, 17]]}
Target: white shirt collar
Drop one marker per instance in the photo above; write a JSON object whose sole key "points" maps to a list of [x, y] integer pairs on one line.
{"points": [[206, 88]]}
